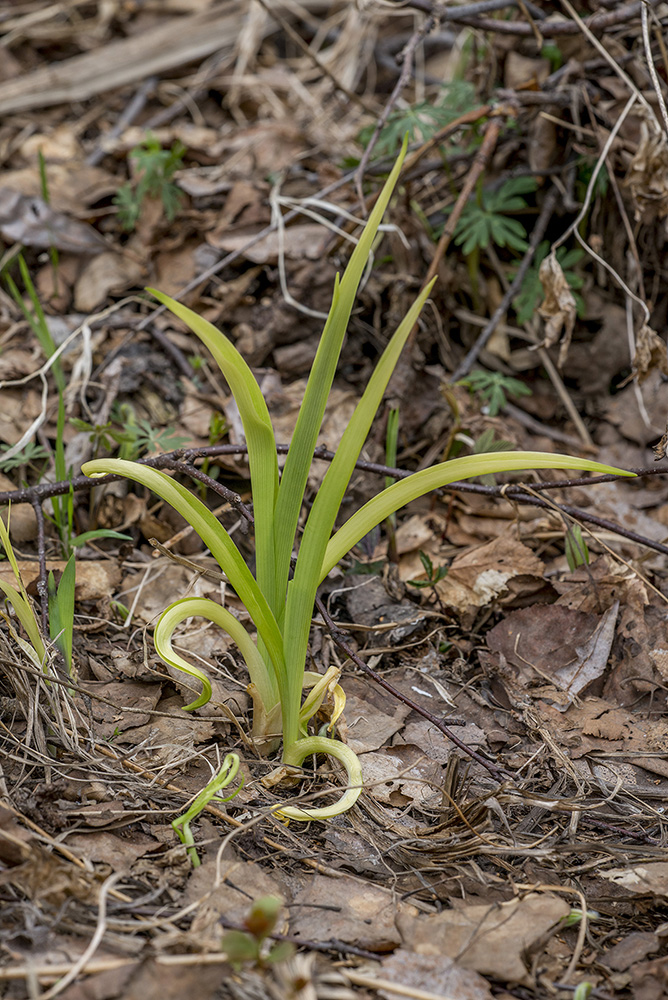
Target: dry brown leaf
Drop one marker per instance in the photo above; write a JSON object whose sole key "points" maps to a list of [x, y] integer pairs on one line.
{"points": [[369, 728], [660, 448], [494, 940], [401, 776], [33, 223], [347, 910], [650, 353], [558, 308], [649, 879], [96, 579], [648, 174], [569, 648], [109, 272], [486, 574], [434, 973], [303, 241]]}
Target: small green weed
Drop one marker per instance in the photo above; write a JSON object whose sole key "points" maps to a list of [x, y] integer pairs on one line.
{"points": [[492, 387], [433, 574], [577, 553], [485, 220], [130, 437], [155, 169], [249, 945], [421, 121], [225, 776], [29, 458]]}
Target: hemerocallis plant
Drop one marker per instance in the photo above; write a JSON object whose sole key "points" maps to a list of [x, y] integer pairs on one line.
{"points": [[281, 606]]}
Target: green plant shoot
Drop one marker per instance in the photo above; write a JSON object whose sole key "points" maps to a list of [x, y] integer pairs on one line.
{"points": [[181, 824], [281, 607]]}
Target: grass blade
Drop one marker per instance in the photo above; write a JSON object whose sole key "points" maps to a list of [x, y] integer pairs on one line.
{"points": [[262, 459], [401, 493], [61, 611], [309, 421]]}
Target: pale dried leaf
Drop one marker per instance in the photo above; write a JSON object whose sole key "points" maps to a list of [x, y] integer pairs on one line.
{"points": [[648, 174], [558, 308], [433, 973], [33, 223], [650, 353], [493, 940]]}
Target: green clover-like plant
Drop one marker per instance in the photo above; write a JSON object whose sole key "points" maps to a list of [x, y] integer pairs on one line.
{"points": [[280, 606]]}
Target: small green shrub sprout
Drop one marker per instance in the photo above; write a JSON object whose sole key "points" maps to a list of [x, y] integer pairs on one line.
{"points": [[155, 169], [278, 599], [492, 388]]}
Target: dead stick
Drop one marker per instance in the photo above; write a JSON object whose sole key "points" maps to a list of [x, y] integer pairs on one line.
{"points": [[480, 161]]}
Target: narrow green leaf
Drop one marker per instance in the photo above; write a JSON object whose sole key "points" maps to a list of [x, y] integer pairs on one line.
{"points": [[300, 455], [259, 432], [89, 536], [61, 611], [302, 589], [401, 493], [200, 607], [26, 616]]}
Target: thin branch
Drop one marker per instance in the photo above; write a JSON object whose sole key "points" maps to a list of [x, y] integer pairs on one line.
{"points": [[42, 491], [597, 23]]}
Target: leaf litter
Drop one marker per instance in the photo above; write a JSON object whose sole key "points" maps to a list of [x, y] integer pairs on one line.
{"points": [[464, 872]]}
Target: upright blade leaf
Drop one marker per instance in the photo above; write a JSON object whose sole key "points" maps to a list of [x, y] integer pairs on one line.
{"points": [[302, 589], [401, 493], [262, 459], [309, 421], [61, 611]]}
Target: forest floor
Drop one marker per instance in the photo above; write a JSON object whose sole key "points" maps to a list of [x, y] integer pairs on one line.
{"points": [[506, 642]]}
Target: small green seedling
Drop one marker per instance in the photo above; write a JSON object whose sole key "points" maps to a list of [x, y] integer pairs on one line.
{"points": [[225, 776], [281, 605], [422, 120], [248, 945], [485, 221], [492, 388], [577, 553], [155, 169], [61, 611], [433, 575]]}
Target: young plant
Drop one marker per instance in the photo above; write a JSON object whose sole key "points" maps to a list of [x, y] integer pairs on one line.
{"points": [[181, 825], [155, 169], [492, 388], [486, 221], [249, 945], [34, 647], [281, 606]]}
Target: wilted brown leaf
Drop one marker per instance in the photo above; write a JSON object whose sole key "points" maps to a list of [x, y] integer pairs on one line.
{"points": [[491, 939], [648, 174], [650, 353], [558, 308]]}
